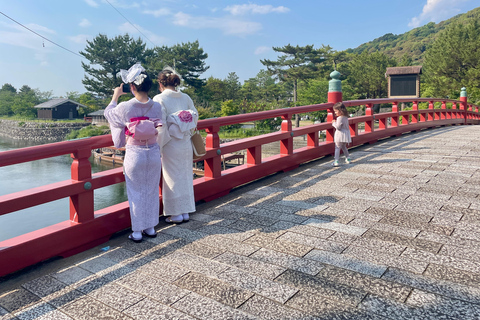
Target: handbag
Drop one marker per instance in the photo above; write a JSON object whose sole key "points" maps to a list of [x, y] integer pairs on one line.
{"points": [[197, 145]]}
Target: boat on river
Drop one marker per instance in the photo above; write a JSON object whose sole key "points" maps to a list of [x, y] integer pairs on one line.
{"points": [[110, 154]]}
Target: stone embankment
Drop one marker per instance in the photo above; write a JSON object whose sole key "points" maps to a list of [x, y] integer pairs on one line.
{"points": [[38, 131]]}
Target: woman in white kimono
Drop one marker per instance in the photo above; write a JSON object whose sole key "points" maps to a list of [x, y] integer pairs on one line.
{"points": [[180, 116], [142, 163]]}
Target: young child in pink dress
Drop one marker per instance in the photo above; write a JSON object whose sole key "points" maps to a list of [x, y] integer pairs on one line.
{"points": [[342, 133]]}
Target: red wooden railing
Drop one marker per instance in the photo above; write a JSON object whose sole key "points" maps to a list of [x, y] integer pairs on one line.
{"points": [[86, 228]]}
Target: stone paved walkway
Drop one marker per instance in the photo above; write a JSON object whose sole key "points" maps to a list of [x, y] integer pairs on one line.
{"points": [[394, 235]]}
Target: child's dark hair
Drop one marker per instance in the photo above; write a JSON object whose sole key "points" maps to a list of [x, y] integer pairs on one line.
{"points": [[168, 79], [341, 107], [145, 85]]}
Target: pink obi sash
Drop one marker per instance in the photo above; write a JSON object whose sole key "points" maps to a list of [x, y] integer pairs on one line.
{"points": [[136, 142]]}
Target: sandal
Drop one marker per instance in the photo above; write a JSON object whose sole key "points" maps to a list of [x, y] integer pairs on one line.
{"points": [[135, 240], [170, 221], [149, 235]]}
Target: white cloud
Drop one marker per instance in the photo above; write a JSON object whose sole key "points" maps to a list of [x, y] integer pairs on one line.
{"points": [[436, 11], [92, 3], [243, 9], [227, 25], [80, 39], [158, 13], [16, 35], [85, 23], [131, 30], [261, 50]]}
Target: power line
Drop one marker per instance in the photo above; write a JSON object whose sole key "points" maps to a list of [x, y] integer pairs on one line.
{"points": [[43, 36], [130, 23]]}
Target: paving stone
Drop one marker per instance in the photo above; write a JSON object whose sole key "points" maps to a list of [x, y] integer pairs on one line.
{"points": [[270, 310], [18, 299], [259, 268], [324, 224], [373, 285], [119, 254], [442, 259], [163, 270], [413, 264], [195, 263], [116, 296], [213, 289], [72, 275], [311, 231], [403, 241], [41, 311], [402, 231], [288, 261], [430, 302], [313, 242], [221, 243], [148, 309], [446, 288], [186, 234], [208, 309], [52, 291], [88, 308], [227, 232], [347, 262], [272, 243], [202, 250], [264, 287], [153, 288], [454, 275], [394, 310], [321, 286], [461, 252]]}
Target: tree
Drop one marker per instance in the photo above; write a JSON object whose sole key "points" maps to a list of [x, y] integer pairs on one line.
{"points": [[7, 87], [188, 59], [296, 64], [107, 57], [24, 102], [366, 73], [232, 86], [215, 90], [453, 61]]}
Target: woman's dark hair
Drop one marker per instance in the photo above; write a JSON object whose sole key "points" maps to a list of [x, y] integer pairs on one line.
{"points": [[168, 79], [341, 107], [145, 85]]}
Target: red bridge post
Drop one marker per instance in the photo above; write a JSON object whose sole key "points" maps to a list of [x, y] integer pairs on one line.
{"points": [[81, 205], [334, 96], [464, 105]]}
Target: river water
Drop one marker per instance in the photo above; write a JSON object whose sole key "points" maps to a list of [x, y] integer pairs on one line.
{"points": [[28, 175]]}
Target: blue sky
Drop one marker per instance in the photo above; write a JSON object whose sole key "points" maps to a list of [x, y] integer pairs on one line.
{"points": [[235, 34]]}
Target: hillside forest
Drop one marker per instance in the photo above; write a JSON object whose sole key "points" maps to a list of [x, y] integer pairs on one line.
{"points": [[448, 51]]}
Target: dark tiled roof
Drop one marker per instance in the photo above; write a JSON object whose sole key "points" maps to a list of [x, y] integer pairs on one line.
{"points": [[403, 70], [56, 102], [96, 113]]}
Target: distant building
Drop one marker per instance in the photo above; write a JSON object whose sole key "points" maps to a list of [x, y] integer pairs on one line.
{"points": [[98, 117], [58, 109]]}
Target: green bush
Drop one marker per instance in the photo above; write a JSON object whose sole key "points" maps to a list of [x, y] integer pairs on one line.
{"points": [[89, 131]]}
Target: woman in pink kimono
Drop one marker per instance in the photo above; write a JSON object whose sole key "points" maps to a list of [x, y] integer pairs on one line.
{"points": [[142, 163], [180, 117]]}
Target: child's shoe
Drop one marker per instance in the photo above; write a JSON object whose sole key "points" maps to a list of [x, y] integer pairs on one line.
{"points": [[348, 160], [335, 163]]}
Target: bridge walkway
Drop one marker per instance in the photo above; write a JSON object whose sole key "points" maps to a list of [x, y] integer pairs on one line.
{"points": [[394, 235]]}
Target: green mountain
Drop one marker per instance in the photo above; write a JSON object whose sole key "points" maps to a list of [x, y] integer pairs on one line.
{"points": [[414, 42]]}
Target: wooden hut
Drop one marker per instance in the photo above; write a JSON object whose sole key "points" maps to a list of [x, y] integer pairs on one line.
{"points": [[58, 109], [404, 82]]}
